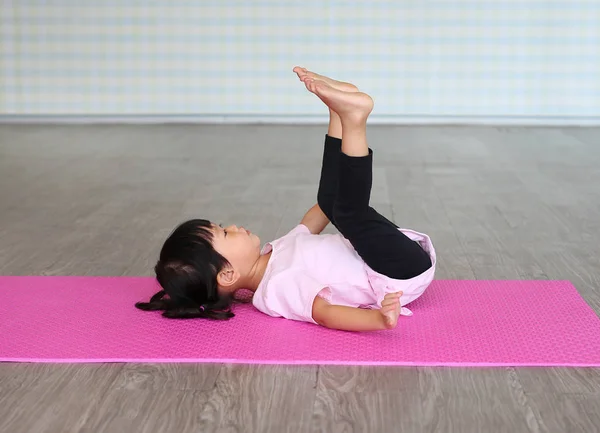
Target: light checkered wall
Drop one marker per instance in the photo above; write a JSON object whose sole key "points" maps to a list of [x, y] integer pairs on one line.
{"points": [[234, 57]]}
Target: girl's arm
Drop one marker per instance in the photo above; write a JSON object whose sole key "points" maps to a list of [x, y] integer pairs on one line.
{"points": [[315, 220], [356, 319]]}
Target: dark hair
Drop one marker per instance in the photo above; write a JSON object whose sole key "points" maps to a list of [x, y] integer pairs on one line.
{"points": [[187, 272]]}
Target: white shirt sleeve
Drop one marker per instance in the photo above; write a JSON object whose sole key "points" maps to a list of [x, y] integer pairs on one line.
{"points": [[299, 229], [291, 295]]}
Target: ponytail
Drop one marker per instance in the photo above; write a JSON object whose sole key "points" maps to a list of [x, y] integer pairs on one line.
{"points": [[221, 310]]}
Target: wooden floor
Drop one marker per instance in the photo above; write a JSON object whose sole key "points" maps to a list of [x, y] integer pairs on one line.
{"points": [[499, 203]]}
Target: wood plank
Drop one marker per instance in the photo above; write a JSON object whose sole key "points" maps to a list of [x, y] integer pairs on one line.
{"points": [[147, 411], [52, 398], [168, 376], [474, 400], [261, 399]]}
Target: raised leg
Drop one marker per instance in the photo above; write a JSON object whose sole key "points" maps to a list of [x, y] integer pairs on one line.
{"points": [[328, 184], [376, 239]]}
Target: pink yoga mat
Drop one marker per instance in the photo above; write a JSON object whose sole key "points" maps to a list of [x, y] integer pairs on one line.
{"points": [[455, 323]]}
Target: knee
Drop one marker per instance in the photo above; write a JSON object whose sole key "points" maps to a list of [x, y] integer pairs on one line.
{"points": [[326, 205], [343, 217]]}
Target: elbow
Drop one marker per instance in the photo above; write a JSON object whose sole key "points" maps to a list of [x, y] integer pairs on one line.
{"points": [[326, 321], [321, 321], [321, 312]]}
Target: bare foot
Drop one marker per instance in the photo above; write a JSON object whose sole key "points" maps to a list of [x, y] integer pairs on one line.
{"points": [[304, 73], [352, 106]]}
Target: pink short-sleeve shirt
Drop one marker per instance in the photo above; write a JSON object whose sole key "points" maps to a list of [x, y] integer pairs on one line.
{"points": [[303, 266]]}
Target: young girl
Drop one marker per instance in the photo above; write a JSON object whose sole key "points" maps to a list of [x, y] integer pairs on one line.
{"points": [[354, 281]]}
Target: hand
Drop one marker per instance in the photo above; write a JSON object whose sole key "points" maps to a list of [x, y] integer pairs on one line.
{"points": [[390, 309]]}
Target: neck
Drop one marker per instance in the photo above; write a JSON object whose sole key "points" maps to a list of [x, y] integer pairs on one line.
{"points": [[256, 274]]}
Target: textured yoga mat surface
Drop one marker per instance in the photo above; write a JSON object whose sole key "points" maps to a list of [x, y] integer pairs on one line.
{"points": [[466, 323]]}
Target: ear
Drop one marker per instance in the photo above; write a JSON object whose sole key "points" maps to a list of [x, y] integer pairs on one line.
{"points": [[227, 278]]}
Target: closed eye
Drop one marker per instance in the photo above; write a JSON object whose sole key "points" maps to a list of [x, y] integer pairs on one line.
{"points": [[224, 231]]}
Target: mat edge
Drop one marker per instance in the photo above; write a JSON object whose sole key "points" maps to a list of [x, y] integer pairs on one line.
{"points": [[292, 363]]}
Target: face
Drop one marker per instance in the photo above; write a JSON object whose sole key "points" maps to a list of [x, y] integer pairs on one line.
{"points": [[240, 247]]}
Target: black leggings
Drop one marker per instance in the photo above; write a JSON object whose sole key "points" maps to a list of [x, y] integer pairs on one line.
{"points": [[344, 194]]}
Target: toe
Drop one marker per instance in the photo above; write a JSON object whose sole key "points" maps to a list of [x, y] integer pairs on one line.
{"points": [[300, 70]]}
